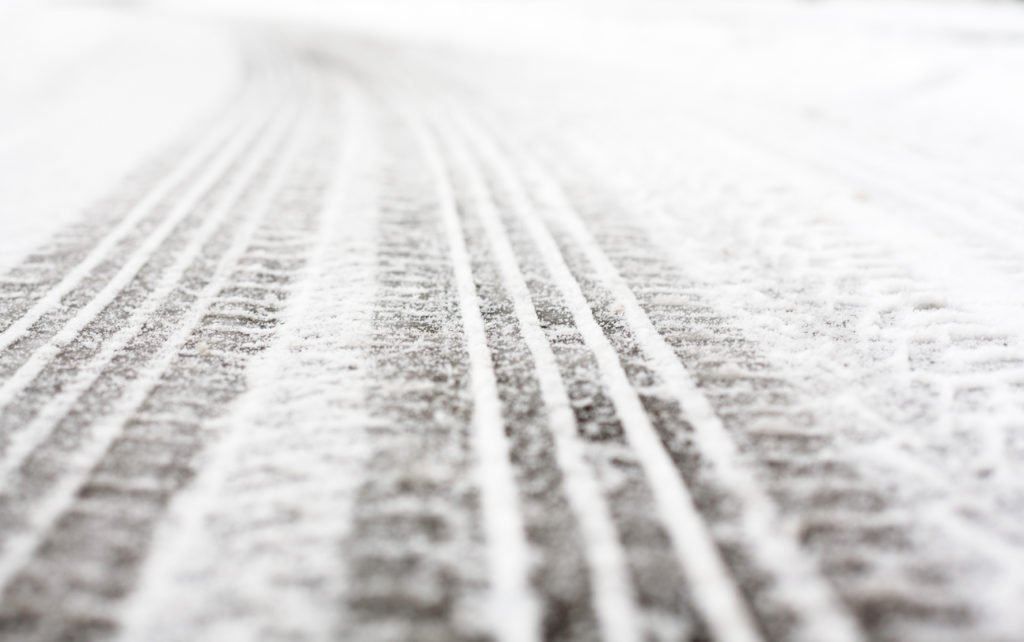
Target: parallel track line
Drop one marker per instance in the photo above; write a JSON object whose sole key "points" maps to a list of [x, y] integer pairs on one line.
{"points": [[614, 599], [173, 543], [513, 603], [52, 298], [719, 600], [41, 357], [822, 614], [18, 550]]}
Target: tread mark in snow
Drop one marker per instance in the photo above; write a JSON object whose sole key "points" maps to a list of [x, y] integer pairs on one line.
{"points": [[718, 598], [835, 481], [115, 503], [415, 555], [253, 544], [613, 599], [512, 603]]}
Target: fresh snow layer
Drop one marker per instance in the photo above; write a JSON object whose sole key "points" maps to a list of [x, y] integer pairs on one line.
{"points": [[86, 95]]}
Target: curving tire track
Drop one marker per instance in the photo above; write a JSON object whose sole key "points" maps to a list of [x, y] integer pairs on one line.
{"points": [[373, 356]]}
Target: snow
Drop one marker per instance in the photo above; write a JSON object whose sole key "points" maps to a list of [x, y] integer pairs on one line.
{"points": [[85, 96], [481, 318]]}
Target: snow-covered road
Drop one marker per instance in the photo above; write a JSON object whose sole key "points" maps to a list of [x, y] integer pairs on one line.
{"points": [[512, 321]]}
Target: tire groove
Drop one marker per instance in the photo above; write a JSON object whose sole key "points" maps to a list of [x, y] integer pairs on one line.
{"points": [[418, 572], [51, 578], [31, 354], [841, 465], [75, 366], [727, 613], [82, 250], [710, 461], [237, 509], [86, 244], [600, 568], [513, 605]]}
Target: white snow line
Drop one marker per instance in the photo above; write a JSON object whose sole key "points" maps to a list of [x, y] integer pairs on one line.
{"points": [[102, 250], [714, 591], [186, 516], [514, 609], [19, 549], [12, 280], [614, 597], [823, 616], [35, 364]]}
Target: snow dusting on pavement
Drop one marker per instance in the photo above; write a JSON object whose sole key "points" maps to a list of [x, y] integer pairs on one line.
{"points": [[512, 321]]}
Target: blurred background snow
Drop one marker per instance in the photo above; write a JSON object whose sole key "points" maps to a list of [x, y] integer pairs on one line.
{"points": [[89, 88]]}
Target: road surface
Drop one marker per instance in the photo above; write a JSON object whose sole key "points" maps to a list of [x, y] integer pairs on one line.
{"points": [[513, 322]]}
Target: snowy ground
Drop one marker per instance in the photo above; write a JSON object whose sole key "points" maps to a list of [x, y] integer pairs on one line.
{"points": [[512, 321]]}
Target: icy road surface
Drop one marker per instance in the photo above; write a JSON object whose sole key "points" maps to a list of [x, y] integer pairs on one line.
{"points": [[510, 322]]}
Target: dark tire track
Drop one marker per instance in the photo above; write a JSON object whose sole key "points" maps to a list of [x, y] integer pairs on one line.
{"points": [[428, 373], [86, 563], [415, 554], [848, 507], [661, 591]]}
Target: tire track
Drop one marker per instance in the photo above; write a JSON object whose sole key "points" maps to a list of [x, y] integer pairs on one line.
{"points": [[49, 398], [559, 576], [542, 428], [44, 402], [504, 409], [873, 495], [102, 513], [26, 283], [512, 604], [662, 598], [82, 268], [50, 274], [415, 556], [113, 295], [713, 465], [254, 546], [722, 606]]}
